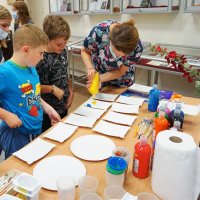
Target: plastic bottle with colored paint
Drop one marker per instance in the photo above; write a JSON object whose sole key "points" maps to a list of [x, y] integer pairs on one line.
{"points": [[141, 160], [178, 106], [176, 117], [153, 99]]}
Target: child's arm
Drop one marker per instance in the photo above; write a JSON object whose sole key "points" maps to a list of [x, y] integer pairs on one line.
{"points": [[56, 91], [11, 119], [53, 115], [71, 95]]}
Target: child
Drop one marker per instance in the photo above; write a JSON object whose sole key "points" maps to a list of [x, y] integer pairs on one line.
{"points": [[55, 87], [20, 91], [5, 46]]}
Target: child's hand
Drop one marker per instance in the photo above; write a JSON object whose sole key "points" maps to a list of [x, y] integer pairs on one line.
{"points": [[70, 99], [58, 92], [12, 120], [53, 115]]}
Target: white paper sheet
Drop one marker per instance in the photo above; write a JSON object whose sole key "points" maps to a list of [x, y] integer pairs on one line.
{"points": [[120, 118], [123, 108], [106, 97], [130, 100], [89, 112], [111, 129], [34, 151], [98, 104], [61, 132], [140, 88], [79, 120]]}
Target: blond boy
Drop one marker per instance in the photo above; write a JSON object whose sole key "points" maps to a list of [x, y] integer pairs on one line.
{"points": [[20, 91]]}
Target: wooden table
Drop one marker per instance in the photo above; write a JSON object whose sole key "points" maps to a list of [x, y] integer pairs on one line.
{"points": [[98, 169]]}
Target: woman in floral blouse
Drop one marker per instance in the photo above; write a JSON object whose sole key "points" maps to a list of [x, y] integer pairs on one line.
{"points": [[112, 49]]}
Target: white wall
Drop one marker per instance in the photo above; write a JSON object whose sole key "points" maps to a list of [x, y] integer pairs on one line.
{"points": [[173, 28]]}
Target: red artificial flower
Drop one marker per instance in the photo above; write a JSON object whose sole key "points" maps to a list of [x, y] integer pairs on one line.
{"points": [[158, 48], [172, 54]]}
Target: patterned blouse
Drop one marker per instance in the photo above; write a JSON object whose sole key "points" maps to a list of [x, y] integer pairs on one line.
{"points": [[98, 42], [53, 70]]}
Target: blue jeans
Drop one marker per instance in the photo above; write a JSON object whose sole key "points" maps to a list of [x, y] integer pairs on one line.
{"points": [[11, 140]]}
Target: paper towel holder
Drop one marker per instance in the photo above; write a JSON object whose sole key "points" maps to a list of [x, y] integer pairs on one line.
{"points": [[175, 139]]}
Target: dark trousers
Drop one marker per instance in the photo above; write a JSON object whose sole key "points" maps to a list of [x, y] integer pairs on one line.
{"points": [[46, 124]]}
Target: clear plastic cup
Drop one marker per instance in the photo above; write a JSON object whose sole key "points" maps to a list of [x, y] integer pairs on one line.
{"points": [[66, 187], [90, 196], [87, 184], [114, 192], [147, 196]]}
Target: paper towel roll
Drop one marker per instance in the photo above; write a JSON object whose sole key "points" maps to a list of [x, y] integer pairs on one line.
{"points": [[174, 174]]}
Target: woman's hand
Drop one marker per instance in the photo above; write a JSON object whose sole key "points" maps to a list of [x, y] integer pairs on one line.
{"points": [[57, 92], [90, 74]]}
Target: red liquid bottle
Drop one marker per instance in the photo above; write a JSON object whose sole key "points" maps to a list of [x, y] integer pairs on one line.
{"points": [[141, 160]]}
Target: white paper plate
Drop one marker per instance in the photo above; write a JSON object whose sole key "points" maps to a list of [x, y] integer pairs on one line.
{"points": [[92, 147], [50, 169]]}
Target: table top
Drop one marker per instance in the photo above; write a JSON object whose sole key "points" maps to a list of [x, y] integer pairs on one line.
{"points": [[98, 169]]}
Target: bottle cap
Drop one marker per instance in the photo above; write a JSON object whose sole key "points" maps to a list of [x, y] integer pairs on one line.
{"points": [[116, 165], [178, 106], [143, 140], [161, 111], [177, 112], [177, 125], [155, 86]]}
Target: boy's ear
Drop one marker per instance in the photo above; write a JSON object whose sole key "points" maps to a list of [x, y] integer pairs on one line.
{"points": [[25, 49]]}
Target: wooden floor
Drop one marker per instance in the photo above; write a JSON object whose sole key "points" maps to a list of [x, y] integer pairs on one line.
{"points": [[80, 95]]}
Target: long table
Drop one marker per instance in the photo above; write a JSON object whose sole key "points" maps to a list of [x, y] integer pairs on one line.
{"points": [[98, 169]]}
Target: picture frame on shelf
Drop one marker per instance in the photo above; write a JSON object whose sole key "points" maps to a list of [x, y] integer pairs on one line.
{"points": [[10, 2]]}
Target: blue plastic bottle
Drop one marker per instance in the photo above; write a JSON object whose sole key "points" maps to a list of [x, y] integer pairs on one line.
{"points": [[153, 99]]}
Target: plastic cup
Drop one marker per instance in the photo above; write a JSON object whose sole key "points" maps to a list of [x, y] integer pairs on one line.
{"points": [[147, 196], [114, 192], [122, 152], [87, 184], [90, 196], [66, 187]]}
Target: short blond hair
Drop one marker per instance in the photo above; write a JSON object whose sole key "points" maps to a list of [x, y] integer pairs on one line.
{"points": [[29, 35], [56, 27], [125, 36]]}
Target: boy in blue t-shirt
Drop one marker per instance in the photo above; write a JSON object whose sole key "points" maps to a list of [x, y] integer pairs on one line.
{"points": [[20, 91]]}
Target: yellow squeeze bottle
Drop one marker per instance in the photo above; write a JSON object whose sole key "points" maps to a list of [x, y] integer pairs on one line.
{"points": [[94, 88]]}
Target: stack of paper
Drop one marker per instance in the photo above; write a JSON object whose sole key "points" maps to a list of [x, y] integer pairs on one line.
{"points": [[97, 104], [89, 112], [130, 100], [61, 132], [34, 151], [140, 88], [106, 97], [123, 108], [111, 129], [79, 120], [120, 118]]}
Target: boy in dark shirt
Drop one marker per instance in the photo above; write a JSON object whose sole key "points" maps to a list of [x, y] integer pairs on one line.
{"points": [[56, 88]]}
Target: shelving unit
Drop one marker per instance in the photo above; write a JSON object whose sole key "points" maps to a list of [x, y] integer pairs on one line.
{"points": [[91, 7], [149, 6], [192, 6]]}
